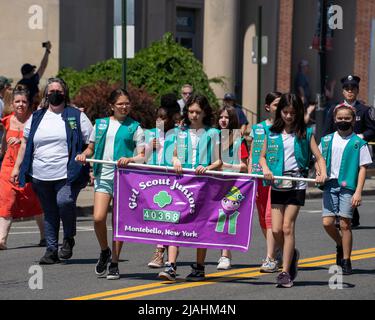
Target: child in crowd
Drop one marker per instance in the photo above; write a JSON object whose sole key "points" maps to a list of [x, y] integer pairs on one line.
{"points": [[287, 152], [263, 198], [234, 155], [347, 156], [198, 118], [117, 138], [159, 143]]}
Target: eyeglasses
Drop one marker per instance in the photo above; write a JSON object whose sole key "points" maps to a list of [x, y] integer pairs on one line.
{"points": [[187, 93]]}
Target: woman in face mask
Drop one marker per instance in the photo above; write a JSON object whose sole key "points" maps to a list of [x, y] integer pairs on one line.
{"points": [[347, 156], [53, 137]]}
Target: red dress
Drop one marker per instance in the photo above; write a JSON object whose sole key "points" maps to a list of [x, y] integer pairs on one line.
{"points": [[15, 202]]}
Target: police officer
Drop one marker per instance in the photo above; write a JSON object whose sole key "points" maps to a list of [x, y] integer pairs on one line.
{"points": [[365, 116]]}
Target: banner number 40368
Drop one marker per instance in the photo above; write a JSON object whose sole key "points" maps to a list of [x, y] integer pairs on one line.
{"points": [[161, 216]]}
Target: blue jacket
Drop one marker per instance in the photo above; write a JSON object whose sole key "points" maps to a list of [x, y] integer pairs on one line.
{"points": [[76, 173]]}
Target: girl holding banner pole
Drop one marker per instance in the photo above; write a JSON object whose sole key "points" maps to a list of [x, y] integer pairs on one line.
{"points": [[234, 155], [347, 156], [197, 148], [159, 147], [263, 199], [117, 138], [287, 151]]}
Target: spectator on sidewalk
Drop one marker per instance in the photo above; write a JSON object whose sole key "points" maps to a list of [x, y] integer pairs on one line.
{"points": [[302, 83], [5, 84], [31, 79], [186, 92], [230, 101]]}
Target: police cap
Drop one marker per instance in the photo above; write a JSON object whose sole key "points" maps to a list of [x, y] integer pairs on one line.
{"points": [[350, 81]]}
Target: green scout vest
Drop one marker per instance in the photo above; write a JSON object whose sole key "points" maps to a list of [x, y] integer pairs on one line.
{"points": [[349, 168], [124, 144], [260, 132], [275, 153], [232, 155], [168, 148], [204, 148]]}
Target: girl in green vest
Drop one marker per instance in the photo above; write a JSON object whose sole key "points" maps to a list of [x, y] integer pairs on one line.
{"points": [[117, 138], [287, 150], [347, 156], [159, 147], [263, 198], [197, 148], [234, 155]]}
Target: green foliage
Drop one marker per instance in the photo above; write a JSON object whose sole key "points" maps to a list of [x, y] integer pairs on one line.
{"points": [[160, 69]]}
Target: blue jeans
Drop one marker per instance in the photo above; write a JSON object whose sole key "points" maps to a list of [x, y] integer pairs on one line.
{"points": [[58, 201], [337, 201]]}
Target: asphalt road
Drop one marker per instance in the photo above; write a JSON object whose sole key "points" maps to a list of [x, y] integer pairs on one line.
{"points": [[76, 278]]}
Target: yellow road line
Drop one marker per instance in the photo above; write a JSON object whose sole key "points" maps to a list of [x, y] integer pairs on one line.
{"points": [[229, 278], [168, 286]]}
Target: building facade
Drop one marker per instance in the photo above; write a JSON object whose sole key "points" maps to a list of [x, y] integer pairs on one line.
{"points": [[221, 33]]}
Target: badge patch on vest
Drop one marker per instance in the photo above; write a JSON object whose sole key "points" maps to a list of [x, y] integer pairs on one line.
{"points": [[102, 126], [72, 123], [259, 131]]}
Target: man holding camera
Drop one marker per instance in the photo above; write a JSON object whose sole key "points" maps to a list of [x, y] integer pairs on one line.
{"points": [[30, 78]]}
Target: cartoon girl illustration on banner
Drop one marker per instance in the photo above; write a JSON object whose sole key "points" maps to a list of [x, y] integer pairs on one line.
{"points": [[230, 203]]}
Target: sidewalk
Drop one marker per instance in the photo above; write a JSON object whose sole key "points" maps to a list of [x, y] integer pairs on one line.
{"points": [[86, 197]]}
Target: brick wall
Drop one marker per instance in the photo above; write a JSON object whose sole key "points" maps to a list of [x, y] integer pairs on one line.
{"points": [[364, 16], [284, 55]]}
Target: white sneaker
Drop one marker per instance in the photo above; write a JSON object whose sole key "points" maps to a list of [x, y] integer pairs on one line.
{"points": [[224, 264], [269, 266]]}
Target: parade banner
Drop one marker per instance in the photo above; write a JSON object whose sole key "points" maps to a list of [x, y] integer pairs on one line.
{"points": [[209, 211]]}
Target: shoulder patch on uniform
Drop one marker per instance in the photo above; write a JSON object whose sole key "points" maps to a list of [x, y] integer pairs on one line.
{"points": [[259, 131]]}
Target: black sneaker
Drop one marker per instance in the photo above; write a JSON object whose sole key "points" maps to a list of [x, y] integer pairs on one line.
{"points": [[66, 251], [346, 267], [50, 257], [284, 280], [339, 255], [113, 272], [168, 274], [101, 265], [197, 273], [294, 265]]}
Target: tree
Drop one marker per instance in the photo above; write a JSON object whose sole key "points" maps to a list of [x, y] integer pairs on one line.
{"points": [[160, 69]]}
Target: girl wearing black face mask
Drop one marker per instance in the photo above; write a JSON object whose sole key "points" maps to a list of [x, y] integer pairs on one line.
{"points": [[347, 156]]}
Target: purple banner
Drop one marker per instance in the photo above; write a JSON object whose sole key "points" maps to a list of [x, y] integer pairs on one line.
{"points": [[210, 211]]}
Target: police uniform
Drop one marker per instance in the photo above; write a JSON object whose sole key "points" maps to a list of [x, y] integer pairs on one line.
{"points": [[365, 115], [365, 124]]}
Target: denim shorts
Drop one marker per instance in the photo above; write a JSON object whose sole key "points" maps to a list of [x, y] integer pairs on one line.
{"points": [[337, 201], [103, 186]]}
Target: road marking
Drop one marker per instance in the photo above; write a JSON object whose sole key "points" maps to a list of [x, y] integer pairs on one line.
{"points": [[228, 278], [79, 229], [164, 287]]}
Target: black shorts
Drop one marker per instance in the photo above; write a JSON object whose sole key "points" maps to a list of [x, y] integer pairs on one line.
{"points": [[292, 197]]}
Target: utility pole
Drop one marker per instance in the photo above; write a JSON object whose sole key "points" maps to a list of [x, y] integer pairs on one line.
{"points": [[124, 42], [260, 31], [323, 68]]}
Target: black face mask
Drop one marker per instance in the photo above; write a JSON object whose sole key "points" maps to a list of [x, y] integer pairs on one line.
{"points": [[344, 125], [56, 98]]}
